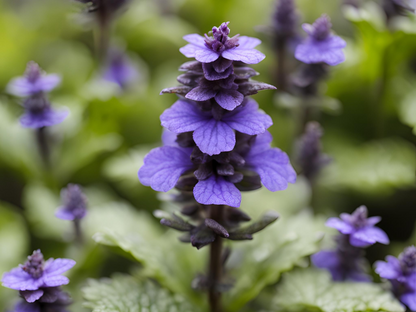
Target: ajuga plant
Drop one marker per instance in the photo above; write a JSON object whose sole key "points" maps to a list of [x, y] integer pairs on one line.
{"points": [[74, 208], [401, 272], [39, 114], [215, 146], [38, 282], [357, 231], [394, 8]]}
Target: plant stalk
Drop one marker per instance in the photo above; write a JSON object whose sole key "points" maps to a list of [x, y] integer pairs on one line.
{"points": [[103, 19], [281, 64], [43, 146], [215, 264]]}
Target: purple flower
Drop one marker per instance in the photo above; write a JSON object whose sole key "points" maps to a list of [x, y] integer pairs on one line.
{"points": [[343, 266], [401, 272], [209, 49], [285, 19], [215, 135], [359, 228], [37, 273], [52, 299], [74, 203], [309, 151], [34, 81], [217, 177], [224, 91], [321, 46], [120, 69], [39, 113]]}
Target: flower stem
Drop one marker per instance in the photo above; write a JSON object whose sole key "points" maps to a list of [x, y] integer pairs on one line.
{"points": [[103, 19], [215, 264], [42, 140], [281, 66], [78, 233]]}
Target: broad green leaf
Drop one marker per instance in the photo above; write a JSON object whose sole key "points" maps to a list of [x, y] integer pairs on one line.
{"points": [[375, 167], [124, 293], [172, 263], [313, 290], [13, 248], [278, 248]]}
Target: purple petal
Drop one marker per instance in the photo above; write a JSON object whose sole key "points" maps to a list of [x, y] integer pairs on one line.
{"points": [[248, 119], [327, 51], [32, 295], [183, 116], [214, 137], [325, 259], [189, 50], [58, 266], [195, 39], [229, 99], [340, 225], [23, 306], [368, 236], [211, 74], [272, 165], [20, 280], [390, 269], [245, 42], [47, 118], [169, 138], [163, 166], [206, 55], [201, 94], [55, 280], [48, 82], [373, 220], [221, 65], [217, 191], [64, 214], [20, 86], [249, 56], [409, 300]]}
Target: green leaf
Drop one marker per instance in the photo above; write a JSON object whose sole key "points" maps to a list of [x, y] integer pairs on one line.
{"points": [[313, 290], [377, 167], [124, 293], [13, 247], [260, 262]]}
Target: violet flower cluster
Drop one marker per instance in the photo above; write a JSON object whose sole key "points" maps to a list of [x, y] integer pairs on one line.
{"points": [[401, 272], [33, 87], [74, 203], [285, 20], [217, 143], [357, 231], [38, 282]]}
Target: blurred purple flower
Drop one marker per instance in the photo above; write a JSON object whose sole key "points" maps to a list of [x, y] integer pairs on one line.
{"points": [[215, 135], [39, 113], [120, 69], [37, 273], [52, 299], [285, 19], [359, 228], [209, 49], [401, 272], [320, 46], [34, 81], [74, 203]]}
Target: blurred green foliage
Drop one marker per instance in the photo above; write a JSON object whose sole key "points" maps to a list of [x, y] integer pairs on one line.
{"points": [[368, 114]]}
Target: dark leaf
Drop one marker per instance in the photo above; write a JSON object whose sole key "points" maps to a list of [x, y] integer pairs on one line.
{"points": [[255, 227], [177, 224], [192, 65], [252, 87], [182, 90], [202, 236], [244, 72], [216, 227], [239, 236]]}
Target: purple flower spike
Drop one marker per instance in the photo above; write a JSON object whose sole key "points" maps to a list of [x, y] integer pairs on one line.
{"points": [[120, 69], [34, 81], [74, 203], [361, 230], [271, 164], [209, 49], [321, 46], [214, 136], [37, 273], [51, 299], [401, 272]]}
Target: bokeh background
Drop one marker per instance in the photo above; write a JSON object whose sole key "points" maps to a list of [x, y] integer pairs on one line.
{"points": [[367, 110]]}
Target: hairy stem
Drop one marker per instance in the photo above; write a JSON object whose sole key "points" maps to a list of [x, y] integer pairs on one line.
{"points": [[215, 264], [43, 146]]}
